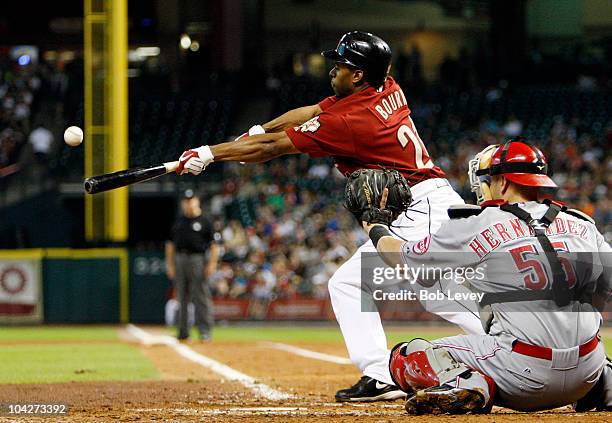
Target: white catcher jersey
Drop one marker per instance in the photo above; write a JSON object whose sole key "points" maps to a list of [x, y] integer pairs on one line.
{"points": [[508, 257]]}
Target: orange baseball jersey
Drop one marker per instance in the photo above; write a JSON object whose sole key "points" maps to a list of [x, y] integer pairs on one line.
{"points": [[368, 129]]}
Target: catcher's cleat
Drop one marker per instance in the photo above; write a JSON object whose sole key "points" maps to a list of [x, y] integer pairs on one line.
{"points": [[369, 390], [446, 399]]}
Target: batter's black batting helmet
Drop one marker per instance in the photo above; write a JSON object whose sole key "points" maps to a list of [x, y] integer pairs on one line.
{"points": [[364, 51]]}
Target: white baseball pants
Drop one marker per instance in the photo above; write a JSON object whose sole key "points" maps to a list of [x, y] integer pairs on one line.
{"points": [[526, 383], [363, 331]]}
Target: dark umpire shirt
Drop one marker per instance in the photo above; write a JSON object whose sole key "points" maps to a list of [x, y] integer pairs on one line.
{"points": [[192, 235]]}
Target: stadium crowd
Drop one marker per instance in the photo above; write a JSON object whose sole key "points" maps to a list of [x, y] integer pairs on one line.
{"points": [[291, 232], [31, 98], [18, 88], [283, 226], [581, 162]]}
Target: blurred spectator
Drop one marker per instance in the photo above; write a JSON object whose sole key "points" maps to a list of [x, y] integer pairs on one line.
{"points": [[41, 140], [19, 89], [513, 127], [11, 141]]}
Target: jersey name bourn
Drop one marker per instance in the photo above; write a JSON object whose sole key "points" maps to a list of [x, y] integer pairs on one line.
{"points": [[391, 103]]}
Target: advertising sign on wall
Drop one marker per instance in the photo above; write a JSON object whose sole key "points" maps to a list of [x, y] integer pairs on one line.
{"points": [[20, 293]]}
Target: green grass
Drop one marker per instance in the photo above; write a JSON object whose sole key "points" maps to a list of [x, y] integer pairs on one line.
{"points": [[254, 333], [58, 333], [103, 358], [299, 333], [30, 363], [78, 353]]}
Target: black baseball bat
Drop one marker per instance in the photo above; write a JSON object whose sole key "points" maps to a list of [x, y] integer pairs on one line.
{"points": [[133, 175]]}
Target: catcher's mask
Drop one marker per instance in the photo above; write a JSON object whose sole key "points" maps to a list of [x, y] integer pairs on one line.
{"points": [[518, 161], [479, 184]]}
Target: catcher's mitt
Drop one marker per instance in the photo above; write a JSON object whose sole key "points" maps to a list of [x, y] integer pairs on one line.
{"points": [[364, 190]]}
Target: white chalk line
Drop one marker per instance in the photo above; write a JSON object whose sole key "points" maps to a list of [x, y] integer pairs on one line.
{"points": [[221, 369], [302, 352]]}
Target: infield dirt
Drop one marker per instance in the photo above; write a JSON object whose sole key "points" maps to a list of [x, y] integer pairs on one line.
{"points": [[190, 392]]}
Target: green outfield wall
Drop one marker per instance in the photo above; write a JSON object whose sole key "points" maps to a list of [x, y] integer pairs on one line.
{"points": [[69, 286], [149, 287], [101, 285]]}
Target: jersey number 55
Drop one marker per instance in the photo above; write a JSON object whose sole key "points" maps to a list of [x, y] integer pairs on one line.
{"points": [[535, 275]]}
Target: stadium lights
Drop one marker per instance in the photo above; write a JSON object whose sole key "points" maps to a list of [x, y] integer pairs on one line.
{"points": [[24, 60], [185, 41], [147, 51], [140, 54]]}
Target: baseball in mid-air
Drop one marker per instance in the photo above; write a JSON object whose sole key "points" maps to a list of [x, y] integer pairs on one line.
{"points": [[73, 136]]}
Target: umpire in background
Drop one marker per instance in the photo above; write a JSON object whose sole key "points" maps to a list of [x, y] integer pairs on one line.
{"points": [[188, 267]]}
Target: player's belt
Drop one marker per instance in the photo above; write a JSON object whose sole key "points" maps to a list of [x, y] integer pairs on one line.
{"points": [[423, 188], [546, 353]]}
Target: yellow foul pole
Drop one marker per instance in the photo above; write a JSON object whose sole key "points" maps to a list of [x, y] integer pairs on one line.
{"points": [[106, 115], [117, 227]]}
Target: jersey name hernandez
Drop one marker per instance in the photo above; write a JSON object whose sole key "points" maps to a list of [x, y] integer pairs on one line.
{"points": [[369, 129], [503, 232]]}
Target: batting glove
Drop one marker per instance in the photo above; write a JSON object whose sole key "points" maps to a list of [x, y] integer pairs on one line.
{"points": [[253, 130], [195, 161]]}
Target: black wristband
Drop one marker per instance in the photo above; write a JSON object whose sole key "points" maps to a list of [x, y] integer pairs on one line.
{"points": [[377, 232]]}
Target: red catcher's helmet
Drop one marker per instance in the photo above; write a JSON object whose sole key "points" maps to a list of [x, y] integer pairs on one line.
{"points": [[520, 163]]}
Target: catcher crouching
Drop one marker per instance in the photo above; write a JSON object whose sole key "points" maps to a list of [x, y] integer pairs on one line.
{"points": [[539, 307]]}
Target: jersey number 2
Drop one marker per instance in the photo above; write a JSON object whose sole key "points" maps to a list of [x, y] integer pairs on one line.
{"points": [[408, 133]]}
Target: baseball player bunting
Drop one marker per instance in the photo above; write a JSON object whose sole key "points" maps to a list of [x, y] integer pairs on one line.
{"points": [[366, 124]]}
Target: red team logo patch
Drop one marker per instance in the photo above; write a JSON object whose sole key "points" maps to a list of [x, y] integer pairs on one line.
{"points": [[421, 247], [311, 125]]}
